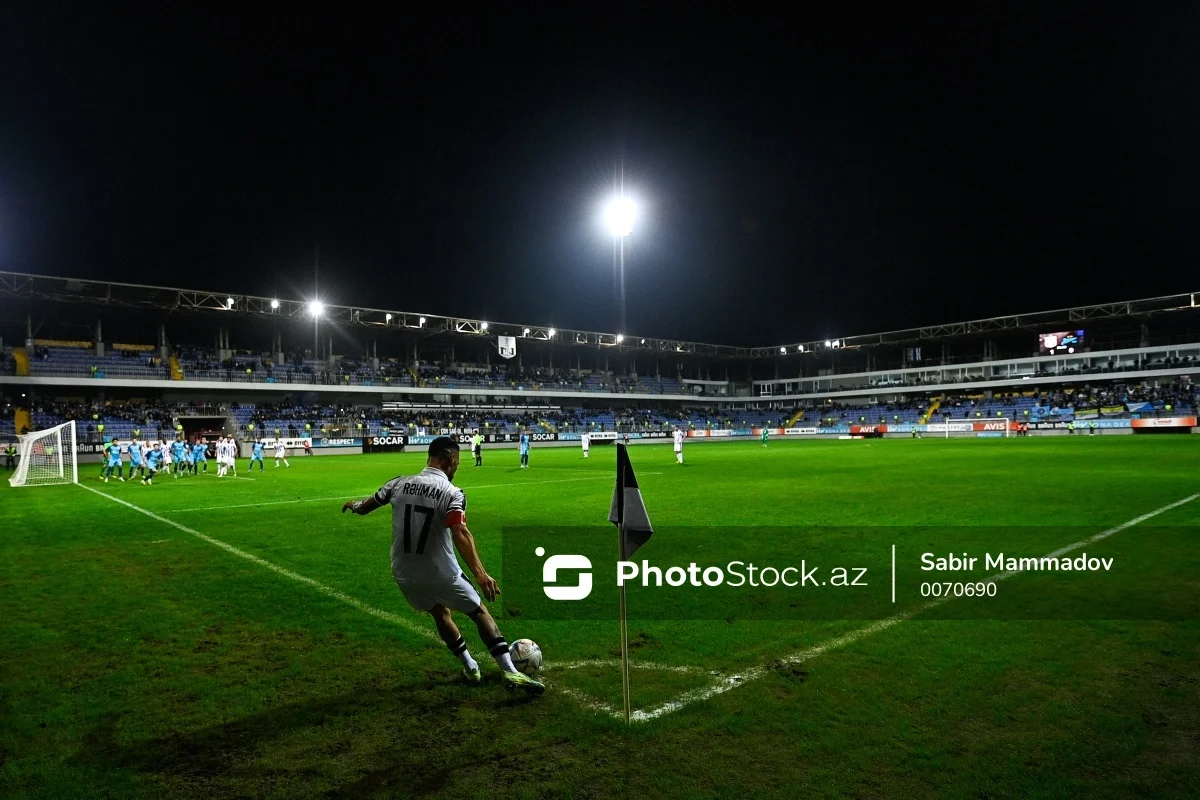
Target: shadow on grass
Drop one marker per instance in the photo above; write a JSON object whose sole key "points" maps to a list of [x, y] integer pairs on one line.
{"points": [[227, 750]]}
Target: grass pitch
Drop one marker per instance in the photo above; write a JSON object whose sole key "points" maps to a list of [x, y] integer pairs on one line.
{"points": [[232, 638]]}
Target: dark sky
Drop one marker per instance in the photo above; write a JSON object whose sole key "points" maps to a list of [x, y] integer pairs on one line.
{"points": [[826, 173]]}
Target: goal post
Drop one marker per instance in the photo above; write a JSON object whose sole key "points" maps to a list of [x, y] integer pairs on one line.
{"points": [[47, 458]]}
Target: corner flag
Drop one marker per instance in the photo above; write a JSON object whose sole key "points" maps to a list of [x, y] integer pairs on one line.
{"points": [[627, 510], [633, 530]]}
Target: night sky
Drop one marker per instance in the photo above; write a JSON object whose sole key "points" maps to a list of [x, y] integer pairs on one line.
{"points": [[802, 176]]}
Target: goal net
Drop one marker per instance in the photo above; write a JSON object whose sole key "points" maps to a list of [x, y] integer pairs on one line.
{"points": [[47, 457]]}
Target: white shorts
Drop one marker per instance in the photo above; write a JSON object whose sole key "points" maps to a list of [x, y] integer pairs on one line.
{"points": [[458, 595], [678, 448]]}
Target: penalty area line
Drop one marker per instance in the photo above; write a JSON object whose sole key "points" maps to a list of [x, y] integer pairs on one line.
{"points": [[328, 591]]}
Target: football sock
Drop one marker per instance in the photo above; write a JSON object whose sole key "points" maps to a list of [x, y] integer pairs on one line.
{"points": [[459, 649], [498, 647]]}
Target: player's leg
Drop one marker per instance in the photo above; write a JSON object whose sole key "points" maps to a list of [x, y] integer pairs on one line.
{"points": [[496, 644], [454, 641], [285, 462]]}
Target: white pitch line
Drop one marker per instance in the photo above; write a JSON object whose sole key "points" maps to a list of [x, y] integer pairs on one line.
{"points": [[263, 503], [328, 591], [353, 496], [726, 683], [652, 666]]}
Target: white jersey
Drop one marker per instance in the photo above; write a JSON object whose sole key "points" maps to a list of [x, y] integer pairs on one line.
{"points": [[280, 450], [423, 507], [678, 436], [585, 441]]}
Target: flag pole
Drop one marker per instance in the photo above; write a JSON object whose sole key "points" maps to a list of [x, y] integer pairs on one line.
{"points": [[624, 634]]}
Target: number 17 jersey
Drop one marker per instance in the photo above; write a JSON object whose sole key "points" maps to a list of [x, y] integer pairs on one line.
{"points": [[423, 508]]}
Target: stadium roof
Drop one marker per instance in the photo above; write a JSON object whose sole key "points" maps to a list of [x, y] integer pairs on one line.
{"points": [[85, 291]]}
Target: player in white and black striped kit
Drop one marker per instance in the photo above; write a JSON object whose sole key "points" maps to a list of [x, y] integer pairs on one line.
{"points": [[429, 520]]}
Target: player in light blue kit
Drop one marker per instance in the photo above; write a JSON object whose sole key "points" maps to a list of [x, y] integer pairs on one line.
{"points": [[178, 451], [136, 464], [114, 461], [199, 456], [153, 459], [256, 455], [524, 448]]}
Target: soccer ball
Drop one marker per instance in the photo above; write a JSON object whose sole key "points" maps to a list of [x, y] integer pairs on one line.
{"points": [[526, 656]]}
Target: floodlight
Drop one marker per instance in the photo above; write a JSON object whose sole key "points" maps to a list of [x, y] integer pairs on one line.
{"points": [[828, 343], [619, 215], [229, 302], [483, 327], [421, 321], [315, 308], [783, 350], [800, 348], [643, 341], [526, 332], [274, 304], [620, 338], [551, 333], [387, 317]]}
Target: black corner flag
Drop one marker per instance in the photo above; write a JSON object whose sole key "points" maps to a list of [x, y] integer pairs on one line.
{"points": [[628, 511], [633, 530]]}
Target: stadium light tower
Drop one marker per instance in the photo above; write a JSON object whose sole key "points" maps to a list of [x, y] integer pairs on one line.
{"points": [[315, 308], [619, 216]]}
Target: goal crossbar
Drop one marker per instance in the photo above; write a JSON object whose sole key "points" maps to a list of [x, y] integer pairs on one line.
{"points": [[47, 458]]}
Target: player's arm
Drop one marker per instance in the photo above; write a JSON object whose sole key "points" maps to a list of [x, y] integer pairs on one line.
{"points": [[464, 542], [369, 504], [362, 507]]}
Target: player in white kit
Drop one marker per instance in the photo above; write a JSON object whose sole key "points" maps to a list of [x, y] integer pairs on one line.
{"points": [[429, 521], [280, 453], [585, 441], [678, 437]]}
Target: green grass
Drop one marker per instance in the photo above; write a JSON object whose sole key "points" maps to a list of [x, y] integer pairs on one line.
{"points": [[137, 660]]}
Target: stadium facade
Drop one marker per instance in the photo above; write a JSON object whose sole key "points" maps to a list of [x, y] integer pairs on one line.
{"points": [[98, 343]]}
